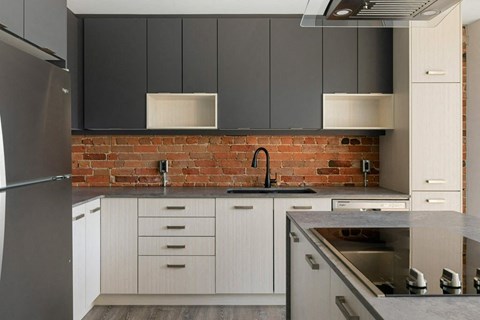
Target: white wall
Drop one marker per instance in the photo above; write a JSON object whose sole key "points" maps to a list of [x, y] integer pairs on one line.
{"points": [[473, 119]]}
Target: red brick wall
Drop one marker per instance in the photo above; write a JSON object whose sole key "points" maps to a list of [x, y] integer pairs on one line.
{"points": [[222, 160]]}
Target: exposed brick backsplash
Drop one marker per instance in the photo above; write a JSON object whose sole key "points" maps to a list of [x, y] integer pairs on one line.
{"points": [[222, 160]]}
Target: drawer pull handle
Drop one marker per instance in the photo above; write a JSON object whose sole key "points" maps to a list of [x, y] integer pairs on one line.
{"points": [[80, 216], [436, 73], [175, 227], [342, 305], [436, 200], [176, 266], [302, 207], [95, 210], [176, 246], [176, 207], [244, 207], [436, 181], [294, 237], [311, 262]]}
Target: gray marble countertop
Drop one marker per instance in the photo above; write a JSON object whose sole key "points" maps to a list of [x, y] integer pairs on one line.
{"points": [[84, 194], [396, 308]]}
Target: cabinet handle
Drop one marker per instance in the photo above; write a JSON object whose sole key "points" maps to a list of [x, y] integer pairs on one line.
{"points": [[302, 207], [80, 216], [294, 237], [176, 207], [175, 227], [436, 181], [342, 305], [311, 262], [243, 207], [176, 266], [2, 26], [176, 246], [436, 73], [435, 200], [95, 210], [48, 51]]}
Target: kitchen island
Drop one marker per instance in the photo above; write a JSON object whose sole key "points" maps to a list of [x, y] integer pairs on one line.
{"points": [[398, 308]]}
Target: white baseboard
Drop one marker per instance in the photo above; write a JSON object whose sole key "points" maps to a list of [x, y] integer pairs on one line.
{"points": [[194, 300]]}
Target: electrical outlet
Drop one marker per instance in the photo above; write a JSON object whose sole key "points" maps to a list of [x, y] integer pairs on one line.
{"points": [[365, 166], [163, 166]]}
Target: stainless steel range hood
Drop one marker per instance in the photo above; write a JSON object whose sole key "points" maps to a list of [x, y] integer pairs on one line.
{"points": [[376, 13]]}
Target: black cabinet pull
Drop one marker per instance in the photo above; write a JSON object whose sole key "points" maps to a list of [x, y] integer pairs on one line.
{"points": [[176, 207], [176, 266], [175, 227], [176, 246], [311, 262]]}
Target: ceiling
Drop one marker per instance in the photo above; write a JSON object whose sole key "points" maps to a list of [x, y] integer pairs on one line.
{"points": [[470, 8]]}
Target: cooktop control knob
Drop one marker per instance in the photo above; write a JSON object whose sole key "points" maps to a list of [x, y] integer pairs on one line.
{"points": [[450, 282], [476, 281], [416, 283]]}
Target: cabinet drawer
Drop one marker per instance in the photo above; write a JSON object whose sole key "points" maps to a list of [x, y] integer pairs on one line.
{"points": [[176, 207], [176, 275], [176, 227], [436, 201], [344, 303], [176, 246]]}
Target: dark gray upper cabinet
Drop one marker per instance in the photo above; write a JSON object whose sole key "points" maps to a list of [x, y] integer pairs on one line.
{"points": [[340, 60], [243, 73], [296, 75], [164, 55], [200, 55], [75, 65], [46, 25], [115, 72], [11, 16], [375, 60]]}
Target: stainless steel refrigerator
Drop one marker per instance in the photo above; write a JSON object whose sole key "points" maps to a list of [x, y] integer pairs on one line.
{"points": [[35, 190]]}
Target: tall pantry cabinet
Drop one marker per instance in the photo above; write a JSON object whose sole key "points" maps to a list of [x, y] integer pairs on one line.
{"points": [[424, 155]]}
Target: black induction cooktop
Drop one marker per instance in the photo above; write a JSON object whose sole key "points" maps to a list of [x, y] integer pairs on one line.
{"points": [[407, 261]]}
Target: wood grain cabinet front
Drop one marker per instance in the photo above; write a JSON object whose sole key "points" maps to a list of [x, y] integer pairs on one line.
{"points": [[119, 234], [244, 246], [176, 275]]}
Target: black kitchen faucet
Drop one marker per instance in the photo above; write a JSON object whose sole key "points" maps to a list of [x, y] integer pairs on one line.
{"points": [[268, 181]]}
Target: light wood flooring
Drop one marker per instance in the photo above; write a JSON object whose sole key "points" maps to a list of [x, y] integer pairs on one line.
{"points": [[186, 313]]}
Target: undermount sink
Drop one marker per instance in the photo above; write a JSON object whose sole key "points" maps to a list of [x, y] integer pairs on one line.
{"points": [[272, 190]]}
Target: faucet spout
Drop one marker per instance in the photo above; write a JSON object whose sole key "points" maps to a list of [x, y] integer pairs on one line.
{"points": [[268, 181]]}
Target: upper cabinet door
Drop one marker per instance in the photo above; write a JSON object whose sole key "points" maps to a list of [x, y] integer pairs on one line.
{"points": [[340, 60], [46, 25], [11, 16], [296, 75], [115, 72], [244, 73], [165, 55], [436, 52], [200, 55], [375, 60]]}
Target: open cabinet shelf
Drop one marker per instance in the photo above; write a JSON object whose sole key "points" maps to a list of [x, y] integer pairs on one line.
{"points": [[358, 111], [182, 111]]}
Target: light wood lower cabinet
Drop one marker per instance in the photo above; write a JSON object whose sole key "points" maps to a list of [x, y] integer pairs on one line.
{"points": [[192, 227], [280, 209], [79, 262], [437, 201], [310, 281], [176, 275], [119, 246], [176, 246], [86, 257], [316, 291], [343, 303], [92, 244], [244, 245]]}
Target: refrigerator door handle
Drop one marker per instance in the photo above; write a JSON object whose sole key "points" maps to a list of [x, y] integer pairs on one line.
{"points": [[3, 208]]}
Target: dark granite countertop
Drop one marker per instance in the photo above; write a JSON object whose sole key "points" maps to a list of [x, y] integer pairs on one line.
{"points": [[396, 308], [84, 194]]}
